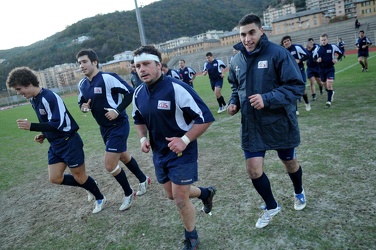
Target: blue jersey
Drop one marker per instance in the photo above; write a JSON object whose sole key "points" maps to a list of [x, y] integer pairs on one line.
{"points": [[51, 110], [299, 53], [173, 73], [106, 90], [327, 54], [341, 46], [363, 41], [214, 69], [169, 109], [187, 73]]}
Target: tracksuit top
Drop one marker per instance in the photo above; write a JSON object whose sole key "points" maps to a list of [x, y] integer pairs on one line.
{"points": [[214, 69], [327, 54], [300, 53], [169, 108], [50, 109], [106, 90], [186, 73]]}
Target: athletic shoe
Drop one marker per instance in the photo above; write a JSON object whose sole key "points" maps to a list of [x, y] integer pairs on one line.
{"points": [[366, 70], [90, 196], [127, 202], [142, 186], [99, 204], [222, 109], [266, 216], [307, 106], [299, 201], [333, 96], [208, 203], [314, 97], [328, 104], [362, 69], [191, 244]]}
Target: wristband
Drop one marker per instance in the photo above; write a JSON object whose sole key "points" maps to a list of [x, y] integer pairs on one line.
{"points": [[143, 139], [185, 139]]}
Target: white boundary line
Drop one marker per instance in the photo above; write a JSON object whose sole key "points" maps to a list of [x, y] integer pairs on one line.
{"points": [[355, 64]]}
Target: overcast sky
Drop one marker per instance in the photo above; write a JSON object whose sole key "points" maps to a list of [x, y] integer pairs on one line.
{"points": [[24, 22]]}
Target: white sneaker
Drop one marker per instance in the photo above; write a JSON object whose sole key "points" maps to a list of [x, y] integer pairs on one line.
{"points": [[142, 186], [127, 202], [300, 201], [328, 104], [222, 109], [99, 204], [308, 106], [266, 216]]}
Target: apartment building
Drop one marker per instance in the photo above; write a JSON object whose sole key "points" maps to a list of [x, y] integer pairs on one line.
{"points": [[272, 13], [298, 21]]}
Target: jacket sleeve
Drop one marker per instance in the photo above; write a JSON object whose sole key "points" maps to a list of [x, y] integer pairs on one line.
{"points": [[291, 84], [234, 84]]}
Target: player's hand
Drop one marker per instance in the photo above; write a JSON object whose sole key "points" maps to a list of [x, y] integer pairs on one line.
{"points": [[319, 60], [39, 138], [85, 107], [256, 101], [232, 109], [176, 144], [23, 124], [112, 114], [334, 61], [145, 146]]}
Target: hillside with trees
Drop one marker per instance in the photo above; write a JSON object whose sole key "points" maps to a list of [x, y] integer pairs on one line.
{"points": [[116, 32]]}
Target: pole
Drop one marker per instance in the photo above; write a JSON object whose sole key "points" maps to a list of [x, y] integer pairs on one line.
{"points": [[140, 26]]}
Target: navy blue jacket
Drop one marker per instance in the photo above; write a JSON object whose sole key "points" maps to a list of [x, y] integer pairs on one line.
{"points": [[271, 71]]}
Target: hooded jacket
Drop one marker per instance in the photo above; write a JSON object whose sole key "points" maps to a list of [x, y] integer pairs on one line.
{"points": [[271, 71]]}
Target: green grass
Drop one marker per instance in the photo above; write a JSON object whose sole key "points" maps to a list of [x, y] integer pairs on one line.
{"points": [[337, 153]]}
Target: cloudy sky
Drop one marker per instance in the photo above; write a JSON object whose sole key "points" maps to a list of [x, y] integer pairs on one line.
{"points": [[24, 22]]}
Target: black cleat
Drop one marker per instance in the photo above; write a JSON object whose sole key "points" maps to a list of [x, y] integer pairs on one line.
{"points": [[208, 203]]}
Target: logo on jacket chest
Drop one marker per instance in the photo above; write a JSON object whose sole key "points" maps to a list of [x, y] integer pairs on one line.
{"points": [[42, 112], [98, 90], [166, 105], [262, 65]]}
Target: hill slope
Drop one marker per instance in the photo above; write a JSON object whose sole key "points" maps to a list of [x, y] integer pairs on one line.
{"points": [[117, 32]]}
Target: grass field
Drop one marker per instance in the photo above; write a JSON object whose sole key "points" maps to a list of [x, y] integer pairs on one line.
{"points": [[337, 153]]}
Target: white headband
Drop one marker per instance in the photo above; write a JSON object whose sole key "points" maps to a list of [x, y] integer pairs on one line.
{"points": [[145, 57]]}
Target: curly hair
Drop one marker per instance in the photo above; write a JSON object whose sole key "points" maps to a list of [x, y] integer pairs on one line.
{"points": [[22, 76]]}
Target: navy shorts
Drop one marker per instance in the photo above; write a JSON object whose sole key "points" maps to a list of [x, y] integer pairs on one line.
{"points": [[115, 137], [283, 154], [326, 74], [363, 53], [313, 72], [216, 84], [69, 150], [183, 174]]}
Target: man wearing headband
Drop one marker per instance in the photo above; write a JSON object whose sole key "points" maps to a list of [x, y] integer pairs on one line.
{"points": [[106, 95], [169, 117]]}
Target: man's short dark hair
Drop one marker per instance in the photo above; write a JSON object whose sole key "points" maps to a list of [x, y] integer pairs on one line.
{"points": [[209, 54], [90, 53], [250, 18]]}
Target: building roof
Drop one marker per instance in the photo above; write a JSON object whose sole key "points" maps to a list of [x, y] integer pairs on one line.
{"points": [[297, 14]]}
